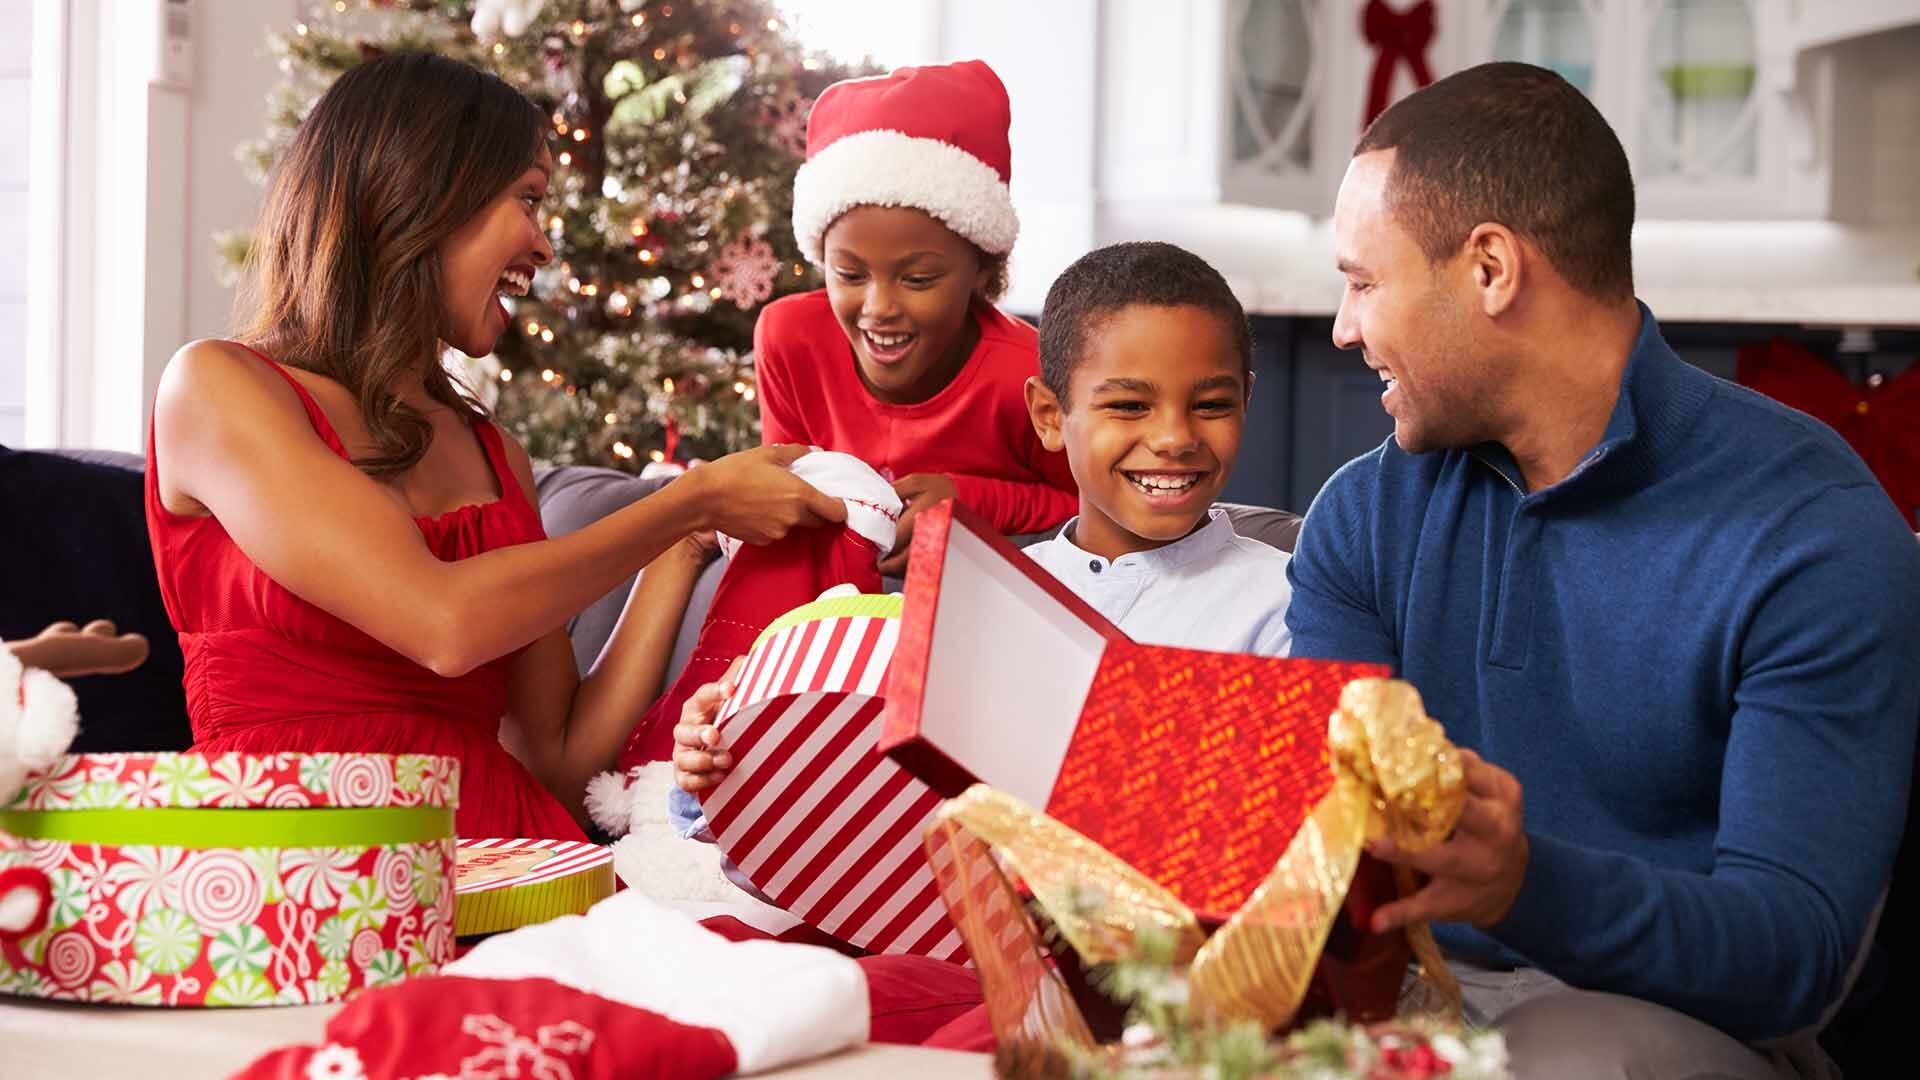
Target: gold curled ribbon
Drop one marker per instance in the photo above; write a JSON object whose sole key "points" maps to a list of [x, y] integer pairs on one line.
{"points": [[1097, 901], [1395, 774]]}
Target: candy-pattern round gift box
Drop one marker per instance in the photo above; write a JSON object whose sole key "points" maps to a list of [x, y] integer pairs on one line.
{"points": [[233, 879]]}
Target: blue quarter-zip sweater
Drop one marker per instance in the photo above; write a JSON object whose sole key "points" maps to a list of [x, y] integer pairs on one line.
{"points": [[1700, 655]]}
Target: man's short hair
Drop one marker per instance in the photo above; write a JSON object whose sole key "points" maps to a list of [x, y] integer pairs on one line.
{"points": [[1517, 145], [1105, 281]]}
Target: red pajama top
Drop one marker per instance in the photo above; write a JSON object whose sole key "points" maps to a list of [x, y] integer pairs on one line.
{"points": [[975, 430]]}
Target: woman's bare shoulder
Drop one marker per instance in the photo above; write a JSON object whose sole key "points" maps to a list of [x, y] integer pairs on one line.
{"points": [[210, 386], [210, 365]]}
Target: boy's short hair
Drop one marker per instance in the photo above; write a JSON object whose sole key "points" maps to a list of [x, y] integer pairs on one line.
{"points": [[1108, 280]]}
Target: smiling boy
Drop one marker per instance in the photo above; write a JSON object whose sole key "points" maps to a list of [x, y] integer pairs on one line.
{"points": [[1146, 369]]}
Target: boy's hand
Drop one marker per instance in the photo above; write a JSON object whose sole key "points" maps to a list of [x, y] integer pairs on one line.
{"points": [[69, 651], [918, 492], [699, 761], [1476, 874]]}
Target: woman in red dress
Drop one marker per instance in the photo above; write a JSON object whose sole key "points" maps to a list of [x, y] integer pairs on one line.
{"points": [[349, 549]]}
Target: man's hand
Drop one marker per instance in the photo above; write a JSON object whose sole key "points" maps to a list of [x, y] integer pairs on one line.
{"points": [[1476, 874], [69, 651], [699, 761], [918, 492]]}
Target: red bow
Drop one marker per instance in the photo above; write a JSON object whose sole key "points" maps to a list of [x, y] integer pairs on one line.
{"points": [[672, 434], [1397, 35]]}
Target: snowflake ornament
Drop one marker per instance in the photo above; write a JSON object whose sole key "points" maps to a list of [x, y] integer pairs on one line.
{"points": [[744, 271], [787, 121]]}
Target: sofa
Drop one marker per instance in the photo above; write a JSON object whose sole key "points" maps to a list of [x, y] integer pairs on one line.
{"points": [[74, 543]]}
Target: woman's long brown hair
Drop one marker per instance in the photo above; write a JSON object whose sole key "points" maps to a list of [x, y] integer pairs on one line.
{"points": [[344, 272]]}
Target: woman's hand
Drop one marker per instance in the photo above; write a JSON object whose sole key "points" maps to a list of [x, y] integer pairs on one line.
{"points": [[917, 492], [752, 496]]}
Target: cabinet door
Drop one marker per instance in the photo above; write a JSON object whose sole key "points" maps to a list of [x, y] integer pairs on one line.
{"points": [[1699, 116], [1723, 119], [1560, 35], [1274, 72]]}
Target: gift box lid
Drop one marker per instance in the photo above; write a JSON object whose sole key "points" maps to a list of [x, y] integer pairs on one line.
{"points": [[988, 642], [234, 780], [504, 883], [1194, 767]]}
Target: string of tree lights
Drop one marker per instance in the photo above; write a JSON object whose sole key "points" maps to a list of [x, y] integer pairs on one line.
{"points": [[677, 129]]}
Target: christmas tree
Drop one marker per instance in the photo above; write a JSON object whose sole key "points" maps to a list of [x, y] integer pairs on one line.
{"points": [[678, 126]]}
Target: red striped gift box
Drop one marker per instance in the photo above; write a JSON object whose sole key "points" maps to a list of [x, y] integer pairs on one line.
{"points": [[811, 813]]}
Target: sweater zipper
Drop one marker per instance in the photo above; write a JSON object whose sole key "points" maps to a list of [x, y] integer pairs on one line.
{"points": [[1498, 472], [1597, 458]]}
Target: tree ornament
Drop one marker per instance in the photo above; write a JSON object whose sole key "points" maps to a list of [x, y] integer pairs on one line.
{"points": [[787, 121], [510, 18], [745, 270]]}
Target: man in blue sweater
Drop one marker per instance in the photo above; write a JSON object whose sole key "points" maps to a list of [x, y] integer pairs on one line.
{"points": [[1672, 623]]}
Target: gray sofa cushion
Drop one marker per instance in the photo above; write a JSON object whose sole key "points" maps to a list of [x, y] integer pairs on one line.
{"points": [[574, 496]]}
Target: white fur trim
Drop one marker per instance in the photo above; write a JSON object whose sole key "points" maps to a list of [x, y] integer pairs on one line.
{"points": [[653, 861], [610, 802], [873, 507], [890, 168], [776, 1003], [18, 909], [10, 672], [49, 720], [39, 717]]}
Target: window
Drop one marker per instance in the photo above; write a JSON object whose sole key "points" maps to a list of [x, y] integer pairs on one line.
{"points": [[16, 84]]}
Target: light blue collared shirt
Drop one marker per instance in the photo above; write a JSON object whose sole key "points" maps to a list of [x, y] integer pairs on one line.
{"points": [[1213, 589]]}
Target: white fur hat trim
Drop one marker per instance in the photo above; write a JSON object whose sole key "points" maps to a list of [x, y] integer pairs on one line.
{"points": [[889, 168]]}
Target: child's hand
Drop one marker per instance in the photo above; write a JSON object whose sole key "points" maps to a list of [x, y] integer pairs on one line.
{"points": [[918, 492], [699, 761], [68, 651]]}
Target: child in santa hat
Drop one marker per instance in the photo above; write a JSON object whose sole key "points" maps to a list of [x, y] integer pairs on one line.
{"points": [[902, 360]]}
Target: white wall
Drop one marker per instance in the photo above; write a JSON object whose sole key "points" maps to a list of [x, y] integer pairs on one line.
{"points": [[132, 174], [233, 74], [1046, 54], [16, 40]]}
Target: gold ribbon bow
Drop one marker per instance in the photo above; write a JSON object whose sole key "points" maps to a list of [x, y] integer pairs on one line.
{"points": [[1395, 774]]}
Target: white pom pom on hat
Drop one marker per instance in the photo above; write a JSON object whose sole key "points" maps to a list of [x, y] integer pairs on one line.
{"points": [[931, 138]]}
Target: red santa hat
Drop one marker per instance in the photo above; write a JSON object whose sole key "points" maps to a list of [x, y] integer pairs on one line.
{"points": [[933, 138]]}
